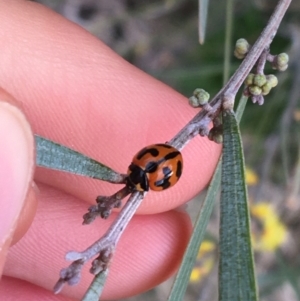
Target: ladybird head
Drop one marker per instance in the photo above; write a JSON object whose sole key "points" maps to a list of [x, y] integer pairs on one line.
{"points": [[137, 178]]}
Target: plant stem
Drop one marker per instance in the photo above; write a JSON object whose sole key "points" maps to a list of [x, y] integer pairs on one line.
{"points": [[203, 118], [106, 244]]}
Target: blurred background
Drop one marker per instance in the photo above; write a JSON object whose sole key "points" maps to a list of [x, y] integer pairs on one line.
{"points": [[161, 38]]}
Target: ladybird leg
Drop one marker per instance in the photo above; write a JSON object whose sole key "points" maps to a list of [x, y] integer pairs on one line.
{"points": [[105, 204]]}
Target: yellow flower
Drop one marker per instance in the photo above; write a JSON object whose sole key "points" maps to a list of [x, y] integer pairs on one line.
{"points": [[251, 177], [198, 273], [273, 233], [205, 261], [206, 247]]}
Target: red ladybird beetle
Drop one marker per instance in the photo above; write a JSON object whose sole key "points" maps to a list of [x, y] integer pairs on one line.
{"points": [[156, 166]]}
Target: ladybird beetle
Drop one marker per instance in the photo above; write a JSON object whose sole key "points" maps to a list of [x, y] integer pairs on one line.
{"points": [[156, 166]]}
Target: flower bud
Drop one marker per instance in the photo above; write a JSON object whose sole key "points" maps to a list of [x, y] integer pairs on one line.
{"points": [[266, 88], [255, 90], [282, 59], [259, 80], [194, 102], [272, 80], [249, 79], [242, 46], [200, 98]]}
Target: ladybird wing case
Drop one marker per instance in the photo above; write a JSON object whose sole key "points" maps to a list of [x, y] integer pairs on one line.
{"points": [[162, 164], [168, 171]]}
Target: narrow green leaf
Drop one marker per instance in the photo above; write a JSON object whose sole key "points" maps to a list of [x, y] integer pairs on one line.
{"points": [[55, 156], [203, 7], [236, 267], [182, 279], [241, 107], [228, 40], [95, 289], [188, 262]]}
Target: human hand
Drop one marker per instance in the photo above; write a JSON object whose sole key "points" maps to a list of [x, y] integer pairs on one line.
{"points": [[76, 91]]}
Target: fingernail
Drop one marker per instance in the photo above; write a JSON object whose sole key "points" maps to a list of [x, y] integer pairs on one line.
{"points": [[16, 167]]}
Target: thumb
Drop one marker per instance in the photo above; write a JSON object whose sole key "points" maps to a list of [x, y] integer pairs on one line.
{"points": [[16, 169]]}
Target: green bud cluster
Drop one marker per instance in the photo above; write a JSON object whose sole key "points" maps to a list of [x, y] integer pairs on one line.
{"points": [[260, 84], [200, 98], [241, 48], [281, 61]]}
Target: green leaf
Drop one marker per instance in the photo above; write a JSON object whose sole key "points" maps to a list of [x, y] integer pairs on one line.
{"points": [[241, 108], [203, 7], [183, 275], [228, 40], [95, 289], [182, 279], [55, 156], [236, 267]]}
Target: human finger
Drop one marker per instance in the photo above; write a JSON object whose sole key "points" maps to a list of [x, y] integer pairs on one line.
{"points": [[149, 251], [77, 91], [17, 163], [26, 291]]}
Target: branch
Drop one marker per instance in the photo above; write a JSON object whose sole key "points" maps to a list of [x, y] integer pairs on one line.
{"points": [[203, 118], [105, 245]]}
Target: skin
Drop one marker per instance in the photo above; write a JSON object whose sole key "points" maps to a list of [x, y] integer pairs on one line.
{"points": [[62, 83]]}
